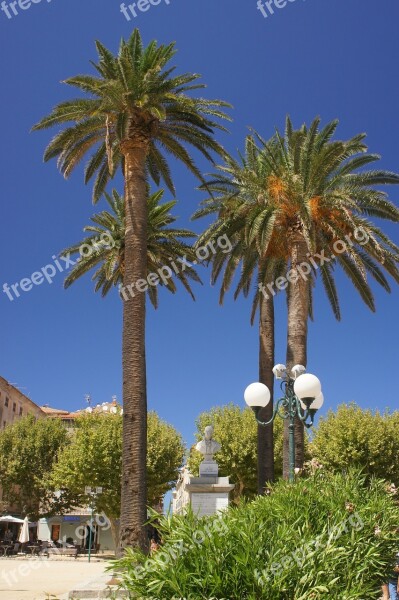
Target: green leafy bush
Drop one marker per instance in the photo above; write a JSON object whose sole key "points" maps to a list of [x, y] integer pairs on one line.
{"points": [[328, 536]]}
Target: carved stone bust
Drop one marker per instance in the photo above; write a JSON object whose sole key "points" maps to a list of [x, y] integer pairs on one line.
{"points": [[208, 446]]}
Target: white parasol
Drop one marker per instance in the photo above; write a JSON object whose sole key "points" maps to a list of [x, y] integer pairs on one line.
{"points": [[10, 519], [24, 533]]}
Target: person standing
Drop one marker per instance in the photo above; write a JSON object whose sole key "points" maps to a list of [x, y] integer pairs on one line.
{"points": [[8, 536], [391, 591]]}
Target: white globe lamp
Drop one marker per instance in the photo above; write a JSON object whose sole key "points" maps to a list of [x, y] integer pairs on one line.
{"points": [[307, 386], [257, 395]]}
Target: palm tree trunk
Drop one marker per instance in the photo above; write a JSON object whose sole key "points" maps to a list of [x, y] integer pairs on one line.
{"points": [[134, 452], [298, 313], [266, 363]]}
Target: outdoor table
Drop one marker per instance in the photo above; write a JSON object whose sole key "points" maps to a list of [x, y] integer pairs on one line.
{"points": [[34, 549], [4, 548]]}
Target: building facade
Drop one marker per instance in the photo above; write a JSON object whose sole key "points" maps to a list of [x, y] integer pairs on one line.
{"points": [[13, 406], [74, 528]]}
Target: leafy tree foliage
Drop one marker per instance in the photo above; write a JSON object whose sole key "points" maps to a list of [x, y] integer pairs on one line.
{"points": [[94, 458], [357, 437], [165, 456], [28, 450]]}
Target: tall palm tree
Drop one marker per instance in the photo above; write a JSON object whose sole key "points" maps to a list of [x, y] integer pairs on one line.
{"points": [[291, 198], [232, 188], [106, 246], [134, 111]]}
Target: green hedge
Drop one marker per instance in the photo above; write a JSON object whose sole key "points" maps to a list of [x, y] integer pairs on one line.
{"points": [[328, 536]]}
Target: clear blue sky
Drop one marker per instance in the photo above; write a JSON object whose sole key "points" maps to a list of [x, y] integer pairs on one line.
{"points": [[329, 57]]}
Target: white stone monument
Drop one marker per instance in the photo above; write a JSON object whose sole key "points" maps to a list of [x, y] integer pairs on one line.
{"points": [[208, 447], [208, 493]]}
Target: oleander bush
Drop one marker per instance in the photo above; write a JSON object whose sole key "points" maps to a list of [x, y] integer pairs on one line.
{"points": [[331, 536]]}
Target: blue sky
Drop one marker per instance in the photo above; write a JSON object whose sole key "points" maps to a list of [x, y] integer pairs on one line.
{"points": [[319, 57]]}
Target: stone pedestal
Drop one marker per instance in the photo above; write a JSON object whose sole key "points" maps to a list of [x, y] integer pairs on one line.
{"points": [[206, 494], [208, 468]]}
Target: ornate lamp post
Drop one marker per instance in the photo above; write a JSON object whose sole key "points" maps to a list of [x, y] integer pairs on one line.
{"points": [[93, 493], [302, 399]]}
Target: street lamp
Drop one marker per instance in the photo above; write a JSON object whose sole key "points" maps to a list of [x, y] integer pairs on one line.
{"points": [[302, 399], [93, 493]]}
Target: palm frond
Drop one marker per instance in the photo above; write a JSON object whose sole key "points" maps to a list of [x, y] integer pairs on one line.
{"points": [[165, 246]]}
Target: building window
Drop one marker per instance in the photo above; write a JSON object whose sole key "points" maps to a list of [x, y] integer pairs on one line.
{"points": [[20, 411], [6, 401], [14, 407]]}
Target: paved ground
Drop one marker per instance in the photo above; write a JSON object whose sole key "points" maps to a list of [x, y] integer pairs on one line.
{"points": [[43, 579]]}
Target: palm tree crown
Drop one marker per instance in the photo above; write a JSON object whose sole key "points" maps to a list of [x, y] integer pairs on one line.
{"points": [[107, 245], [135, 97], [302, 184]]}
